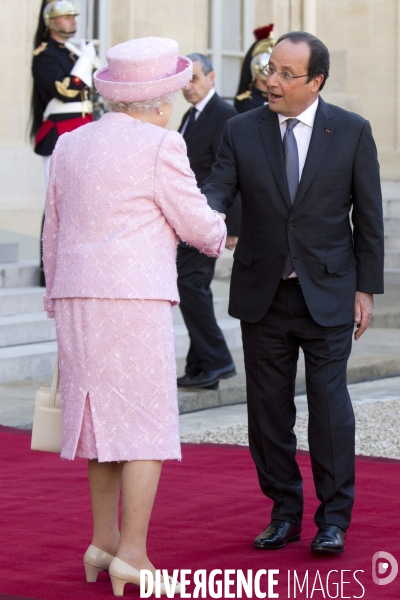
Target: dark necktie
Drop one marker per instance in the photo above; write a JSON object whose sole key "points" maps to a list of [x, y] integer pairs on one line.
{"points": [[190, 121], [292, 173]]}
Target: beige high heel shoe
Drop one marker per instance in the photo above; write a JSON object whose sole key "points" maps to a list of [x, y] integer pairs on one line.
{"points": [[122, 573], [96, 560]]}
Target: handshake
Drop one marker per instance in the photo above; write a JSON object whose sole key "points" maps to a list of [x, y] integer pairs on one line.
{"points": [[231, 240]]}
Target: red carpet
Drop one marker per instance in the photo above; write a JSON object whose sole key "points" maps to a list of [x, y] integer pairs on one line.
{"points": [[208, 510]]}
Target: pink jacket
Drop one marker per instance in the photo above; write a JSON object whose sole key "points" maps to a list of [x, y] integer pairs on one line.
{"points": [[120, 194]]}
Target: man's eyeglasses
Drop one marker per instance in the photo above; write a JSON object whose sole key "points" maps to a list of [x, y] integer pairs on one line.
{"points": [[268, 70]]}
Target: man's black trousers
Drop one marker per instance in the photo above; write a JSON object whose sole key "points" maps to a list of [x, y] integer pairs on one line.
{"points": [[271, 349], [208, 349]]}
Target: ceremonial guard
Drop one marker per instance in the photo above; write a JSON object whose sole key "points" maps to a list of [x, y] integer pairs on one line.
{"points": [[252, 90], [62, 78]]}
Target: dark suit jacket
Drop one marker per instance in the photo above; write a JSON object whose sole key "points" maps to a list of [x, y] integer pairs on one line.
{"points": [[341, 174], [202, 146]]}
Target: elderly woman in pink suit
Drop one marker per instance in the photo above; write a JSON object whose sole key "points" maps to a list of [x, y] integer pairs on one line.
{"points": [[120, 194]]}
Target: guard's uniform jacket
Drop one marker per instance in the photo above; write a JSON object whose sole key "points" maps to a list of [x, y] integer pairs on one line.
{"points": [[252, 98], [65, 96]]}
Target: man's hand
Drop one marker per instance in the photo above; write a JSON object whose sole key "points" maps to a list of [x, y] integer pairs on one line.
{"points": [[231, 242], [363, 311]]}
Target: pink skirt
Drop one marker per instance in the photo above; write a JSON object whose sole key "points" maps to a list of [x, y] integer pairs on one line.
{"points": [[117, 379]]}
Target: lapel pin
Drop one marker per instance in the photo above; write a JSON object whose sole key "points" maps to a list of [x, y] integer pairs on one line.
{"points": [[327, 130]]}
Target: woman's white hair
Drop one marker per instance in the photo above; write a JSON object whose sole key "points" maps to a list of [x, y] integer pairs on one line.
{"points": [[142, 106]]}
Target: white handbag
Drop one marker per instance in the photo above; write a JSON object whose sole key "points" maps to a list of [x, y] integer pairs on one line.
{"points": [[47, 426]]}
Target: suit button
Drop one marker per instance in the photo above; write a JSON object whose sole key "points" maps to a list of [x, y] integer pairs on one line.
{"points": [[282, 257], [290, 226]]}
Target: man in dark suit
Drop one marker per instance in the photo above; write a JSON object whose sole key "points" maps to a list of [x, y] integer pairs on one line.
{"points": [[208, 359], [301, 276]]}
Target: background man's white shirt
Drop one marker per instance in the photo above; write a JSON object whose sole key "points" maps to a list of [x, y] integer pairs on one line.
{"points": [[199, 107]]}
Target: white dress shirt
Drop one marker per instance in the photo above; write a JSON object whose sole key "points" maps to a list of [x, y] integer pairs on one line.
{"points": [[199, 107], [202, 104], [302, 131]]}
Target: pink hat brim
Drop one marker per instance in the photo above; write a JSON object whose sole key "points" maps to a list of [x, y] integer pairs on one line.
{"points": [[143, 90]]}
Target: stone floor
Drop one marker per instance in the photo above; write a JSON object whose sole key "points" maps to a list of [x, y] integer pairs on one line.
{"points": [[376, 406], [375, 355]]}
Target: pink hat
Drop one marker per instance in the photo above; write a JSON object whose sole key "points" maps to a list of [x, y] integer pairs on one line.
{"points": [[143, 69]]}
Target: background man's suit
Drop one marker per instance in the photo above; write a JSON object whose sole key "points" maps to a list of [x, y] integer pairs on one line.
{"points": [[331, 261], [208, 349]]}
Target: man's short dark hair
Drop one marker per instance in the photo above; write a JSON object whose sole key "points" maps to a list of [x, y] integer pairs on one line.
{"points": [[206, 63], [319, 53]]}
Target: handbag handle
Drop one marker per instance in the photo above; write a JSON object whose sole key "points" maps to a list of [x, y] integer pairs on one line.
{"points": [[54, 384]]}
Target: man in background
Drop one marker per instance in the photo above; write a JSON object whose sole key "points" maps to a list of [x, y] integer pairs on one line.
{"points": [[208, 359]]}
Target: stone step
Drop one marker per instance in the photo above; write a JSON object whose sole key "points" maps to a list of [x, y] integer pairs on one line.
{"points": [[392, 259], [386, 317], [392, 241], [27, 361], [21, 361], [363, 365], [20, 300], [392, 277], [9, 252], [32, 328], [26, 334], [37, 359], [392, 225], [391, 208], [390, 190], [24, 273], [28, 328]]}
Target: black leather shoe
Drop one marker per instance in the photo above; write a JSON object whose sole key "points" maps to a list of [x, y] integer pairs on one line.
{"points": [[330, 538], [184, 379], [205, 379], [277, 534]]}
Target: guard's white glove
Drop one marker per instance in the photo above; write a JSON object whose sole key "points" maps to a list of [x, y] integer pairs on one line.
{"points": [[88, 50], [83, 67]]}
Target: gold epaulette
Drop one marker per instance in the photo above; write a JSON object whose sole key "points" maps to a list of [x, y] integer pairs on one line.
{"points": [[40, 49], [244, 96]]}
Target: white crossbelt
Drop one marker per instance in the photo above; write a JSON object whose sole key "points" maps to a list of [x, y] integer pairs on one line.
{"points": [[57, 107]]}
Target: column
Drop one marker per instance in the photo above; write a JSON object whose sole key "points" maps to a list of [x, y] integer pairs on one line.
{"points": [[309, 16]]}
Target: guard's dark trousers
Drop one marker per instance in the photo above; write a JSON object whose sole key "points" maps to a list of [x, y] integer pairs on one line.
{"points": [[271, 349], [208, 349]]}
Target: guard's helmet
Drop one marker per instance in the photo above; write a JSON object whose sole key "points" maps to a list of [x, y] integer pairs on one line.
{"points": [[58, 8], [260, 56]]}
